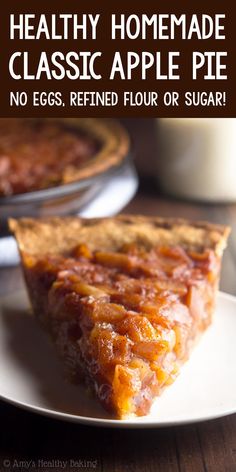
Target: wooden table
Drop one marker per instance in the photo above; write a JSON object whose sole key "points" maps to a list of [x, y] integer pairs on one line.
{"points": [[42, 443]]}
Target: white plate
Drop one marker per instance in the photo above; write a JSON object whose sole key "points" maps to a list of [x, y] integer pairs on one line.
{"points": [[31, 375]]}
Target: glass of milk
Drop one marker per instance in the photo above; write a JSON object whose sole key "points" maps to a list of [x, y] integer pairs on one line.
{"points": [[198, 158]]}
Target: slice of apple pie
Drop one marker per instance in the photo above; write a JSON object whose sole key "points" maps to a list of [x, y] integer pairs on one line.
{"points": [[124, 299]]}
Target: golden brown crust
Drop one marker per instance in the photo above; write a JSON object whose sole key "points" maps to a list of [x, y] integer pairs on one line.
{"points": [[59, 235], [114, 141]]}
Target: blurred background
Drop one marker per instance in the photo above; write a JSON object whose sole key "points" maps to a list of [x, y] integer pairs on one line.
{"points": [[192, 158]]}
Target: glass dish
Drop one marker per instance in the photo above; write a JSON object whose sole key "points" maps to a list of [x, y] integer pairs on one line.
{"points": [[70, 197]]}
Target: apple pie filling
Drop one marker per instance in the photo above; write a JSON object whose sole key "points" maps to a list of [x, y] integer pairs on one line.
{"points": [[34, 154], [124, 321]]}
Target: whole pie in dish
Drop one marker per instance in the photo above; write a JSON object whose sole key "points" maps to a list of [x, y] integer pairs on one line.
{"points": [[37, 154], [124, 299]]}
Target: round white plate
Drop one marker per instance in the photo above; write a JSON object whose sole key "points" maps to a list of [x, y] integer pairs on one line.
{"points": [[31, 375]]}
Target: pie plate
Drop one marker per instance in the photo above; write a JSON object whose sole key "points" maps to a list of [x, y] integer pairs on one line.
{"points": [[32, 376]]}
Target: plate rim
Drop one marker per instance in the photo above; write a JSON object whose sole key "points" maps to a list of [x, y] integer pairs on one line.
{"points": [[115, 423]]}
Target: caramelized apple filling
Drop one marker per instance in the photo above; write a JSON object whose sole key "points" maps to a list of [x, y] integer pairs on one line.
{"points": [[125, 320], [35, 153]]}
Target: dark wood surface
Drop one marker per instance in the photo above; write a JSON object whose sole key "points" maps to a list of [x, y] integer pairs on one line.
{"points": [[28, 439]]}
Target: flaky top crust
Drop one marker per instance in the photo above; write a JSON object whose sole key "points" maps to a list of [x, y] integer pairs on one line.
{"points": [[38, 237]]}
